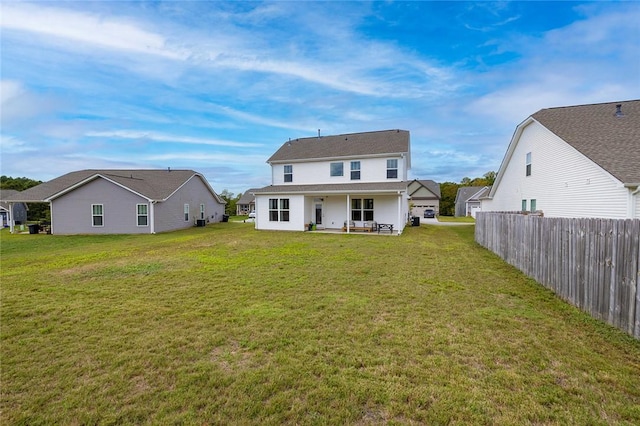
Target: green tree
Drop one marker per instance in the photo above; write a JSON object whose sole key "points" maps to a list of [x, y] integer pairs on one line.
{"points": [[448, 191], [230, 208], [36, 211]]}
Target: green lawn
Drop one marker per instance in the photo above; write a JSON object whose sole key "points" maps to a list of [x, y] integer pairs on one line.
{"points": [[464, 219], [226, 324]]}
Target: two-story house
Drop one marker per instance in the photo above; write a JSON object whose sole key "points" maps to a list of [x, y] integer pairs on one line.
{"points": [[349, 181], [575, 161]]}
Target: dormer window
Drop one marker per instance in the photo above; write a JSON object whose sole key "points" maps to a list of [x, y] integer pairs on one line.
{"points": [[528, 164], [392, 169], [288, 173]]}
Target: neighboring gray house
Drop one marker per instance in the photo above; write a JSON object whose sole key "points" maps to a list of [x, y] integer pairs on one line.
{"points": [[19, 213], [424, 194], [126, 201], [468, 200], [574, 161], [247, 203]]}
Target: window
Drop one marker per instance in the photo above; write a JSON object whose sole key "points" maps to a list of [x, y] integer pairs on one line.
{"points": [[524, 205], [355, 170], [186, 212], [278, 210], [142, 211], [288, 173], [273, 209], [392, 169], [284, 210], [362, 209], [528, 164], [533, 205], [97, 215], [202, 211], [337, 169]]}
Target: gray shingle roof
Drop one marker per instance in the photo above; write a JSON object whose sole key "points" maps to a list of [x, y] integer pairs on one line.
{"points": [[346, 145], [611, 142], [155, 185], [335, 187], [7, 194], [431, 185], [466, 192], [247, 197]]}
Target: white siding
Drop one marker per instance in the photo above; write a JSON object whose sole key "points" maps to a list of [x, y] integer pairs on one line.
{"points": [[296, 213], [563, 182], [319, 172]]}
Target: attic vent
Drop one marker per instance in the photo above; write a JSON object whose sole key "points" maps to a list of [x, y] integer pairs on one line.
{"points": [[619, 112]]}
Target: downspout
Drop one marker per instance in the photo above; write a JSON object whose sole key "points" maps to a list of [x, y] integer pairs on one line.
{"points": [[633, 199], [399, 211], [153, 217], [11, 226]]}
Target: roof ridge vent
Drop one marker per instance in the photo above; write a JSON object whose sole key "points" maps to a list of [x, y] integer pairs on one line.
{"points": [[619, 112]]}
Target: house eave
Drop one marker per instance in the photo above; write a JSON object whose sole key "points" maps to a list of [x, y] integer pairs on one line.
{"points": [[337, 158]]}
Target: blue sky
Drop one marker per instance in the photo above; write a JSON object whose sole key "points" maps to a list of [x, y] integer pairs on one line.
{"points": [[218, 86]]}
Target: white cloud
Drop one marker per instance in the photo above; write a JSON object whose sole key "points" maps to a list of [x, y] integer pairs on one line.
{"points": [[210, 158], [162, 137], [11, 144], [84, 28]]}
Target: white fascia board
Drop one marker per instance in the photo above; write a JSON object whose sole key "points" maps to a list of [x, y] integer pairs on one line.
{"points": [[507, 156]]}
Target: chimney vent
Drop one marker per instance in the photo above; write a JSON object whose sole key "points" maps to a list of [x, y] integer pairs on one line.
{"points": [[318, 133], [619, 112]]}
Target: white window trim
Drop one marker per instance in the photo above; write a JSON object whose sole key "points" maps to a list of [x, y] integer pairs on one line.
{"points": [[186, 212], [93, 225], [396, 168], [359, 170], [331, 165], [202, 215], [138, 215], [285, 174], [279, 209]]}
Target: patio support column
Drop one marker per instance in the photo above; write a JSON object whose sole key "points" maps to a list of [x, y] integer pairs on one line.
{"points": [[399, 211], [348, 213], [11, 226]]}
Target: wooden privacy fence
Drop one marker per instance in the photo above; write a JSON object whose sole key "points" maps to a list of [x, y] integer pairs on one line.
{"points": [[591, 263]]}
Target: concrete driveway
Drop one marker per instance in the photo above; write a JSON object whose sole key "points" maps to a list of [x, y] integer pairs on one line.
{"points": [[435, 221]]}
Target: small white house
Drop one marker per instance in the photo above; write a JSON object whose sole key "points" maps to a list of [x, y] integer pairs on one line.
{"points": [[576, 161], [354, 181]]}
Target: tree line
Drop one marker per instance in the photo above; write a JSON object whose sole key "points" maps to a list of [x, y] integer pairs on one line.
{"points": [[448, 191], [35, 211]]}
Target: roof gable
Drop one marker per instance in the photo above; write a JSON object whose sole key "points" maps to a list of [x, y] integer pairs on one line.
{"points": [[155, 185], [609, 140], [594, 130], [346, 145], [429, 185], [466, 192]]}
